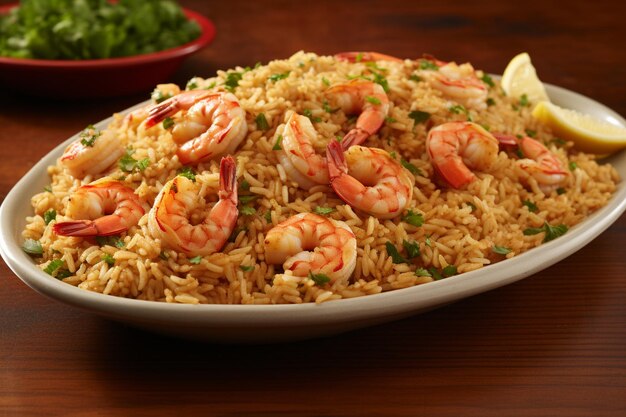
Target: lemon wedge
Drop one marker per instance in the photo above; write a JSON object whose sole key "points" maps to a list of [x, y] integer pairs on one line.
{"points": [[588, 133], [520, 77]]}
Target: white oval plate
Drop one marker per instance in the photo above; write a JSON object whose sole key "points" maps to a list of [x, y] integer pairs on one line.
{"points": [[272, 323]]}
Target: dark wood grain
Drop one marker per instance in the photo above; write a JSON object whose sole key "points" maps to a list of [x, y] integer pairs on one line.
{"points": [[553, 344]]}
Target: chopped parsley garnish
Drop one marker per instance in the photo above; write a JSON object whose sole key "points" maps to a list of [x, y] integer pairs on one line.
{"points": [[523, 101], [558, 141], [500, 250], [89, 135], [327, 107], [191, 84], [552, 232], [359, 57], [195, 260], [471, 205], [110, 240], [530, 133], [232, 80], [460, 109], [276, 77], [393, 155], [168, 122], [389, 119], [210, 86], [188, 173], [413, 218], [49, 215], [412, 168], [572, 166], [488, 80], [415, 77], [246, 268], [373, 100], [491, 102], [373, 65], [308, 113], [158, 96], [392, 251], [261, 122], [32, 247], [319, 279], [422, 272], [245, 199], [325, 81], [382, 81], [560, 190], [425, 64], [324, 211], [448, 271], [279, 141], [268, 216], [48, 188], [129, 164], [108, 259], [247, 210], [532, 207], [245, 185], [412, 248], [419, 116], [435, 274], [428, 242], [53, 266]]}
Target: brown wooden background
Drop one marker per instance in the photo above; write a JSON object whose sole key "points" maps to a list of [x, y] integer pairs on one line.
{"points": [[553, 344]]}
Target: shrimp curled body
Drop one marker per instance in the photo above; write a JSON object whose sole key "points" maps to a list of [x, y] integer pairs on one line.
{"points": [[92, 153], [370, 180], [102, 208], [212, 124], [308, 242], [169, 220], [458, 82], [456, 147]]}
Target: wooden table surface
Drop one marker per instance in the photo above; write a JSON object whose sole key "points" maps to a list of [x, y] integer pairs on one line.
{"points": [[553, 344]]}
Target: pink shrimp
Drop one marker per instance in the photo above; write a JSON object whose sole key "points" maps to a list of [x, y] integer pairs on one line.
{"points": [[108, 206], [92, 153], [456, 147], [309, 243], [365, 97], [537, 162], [365, 57], [168, 218], [389, 186], [212, 124]]}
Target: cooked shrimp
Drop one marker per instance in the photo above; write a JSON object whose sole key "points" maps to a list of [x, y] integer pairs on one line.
{"points": [[92, 153], [168, 218], [538, 162], [365, 57], [309, 243], [456, 147], [459, 83], [162, 92], [369, 179], [365, 97], [102, 208], [298, 157], [213, 124]]}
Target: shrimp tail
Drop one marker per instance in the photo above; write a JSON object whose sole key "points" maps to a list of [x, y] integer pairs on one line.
{"points": [[505, 140], [160, 111], [337, 165], [104, 226], [228, 179], [354, 137]]}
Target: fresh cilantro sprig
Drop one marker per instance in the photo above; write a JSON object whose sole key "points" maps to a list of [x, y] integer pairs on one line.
{"points": [[551, 232]]}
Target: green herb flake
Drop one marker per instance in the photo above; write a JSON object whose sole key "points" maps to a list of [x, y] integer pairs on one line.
{"points": [[53, 266], [89, 135], [168, 122], [163, 255], [277, 145], [523, 101], [245, 185], [427, 241], [426, 64], [422, 272], [389, 119], [551, 232], [393, 155], [324, 211], [412, 249], [471, 206], [32, 247], [309, 113], [419, 116], [413, 218], [247, 210], [268, 217], [500, 250], [486, 78], [261, 122], [392, 251], [319, 279], [158, 96], [448, 271], [129, 164], [63, 273], [373, 100], [435, 273], [245, 199], [532, 207], [572, 166], [326, 82], [458, 109], [415, 77], [359, 57], [232, 80], [195, 260], [560, 191], [110, 240], [530, 133], [558, 141], [188, 173], [191, 84], [412, 168], [49, 215], [246, 268], [277, 77], [108, 259], [48, 188], [491, 102], [382, 81]]}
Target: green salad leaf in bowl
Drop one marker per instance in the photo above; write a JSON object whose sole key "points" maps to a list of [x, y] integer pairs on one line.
{"points": [[93, 29]]}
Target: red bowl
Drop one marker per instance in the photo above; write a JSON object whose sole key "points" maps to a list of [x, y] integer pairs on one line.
{"points": [[99, 77]]}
